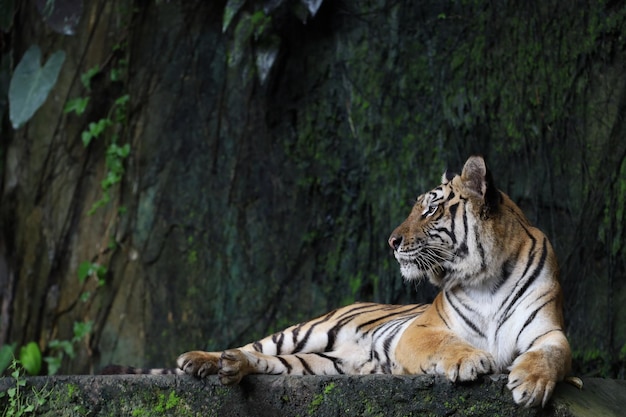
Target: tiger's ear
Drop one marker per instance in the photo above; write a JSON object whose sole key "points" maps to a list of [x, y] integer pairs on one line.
{"points": [[477, 179], [474, 175]]}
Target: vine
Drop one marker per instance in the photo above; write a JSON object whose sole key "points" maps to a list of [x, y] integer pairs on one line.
{"points": [[115, 121]]}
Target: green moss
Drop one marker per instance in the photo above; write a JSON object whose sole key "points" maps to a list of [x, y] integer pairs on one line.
{"points": [[71, 389], [320, 398], [162, 403]]}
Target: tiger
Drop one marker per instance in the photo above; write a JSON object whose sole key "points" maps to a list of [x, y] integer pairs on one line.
{"points": [[499, 309]]}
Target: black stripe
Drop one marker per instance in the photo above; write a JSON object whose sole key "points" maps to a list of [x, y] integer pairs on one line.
{"points": [[465, 228], [507, 269], [441, 316], [540, 336], [258, 346], [322, 319], [529, 263], [277, 338], [442, 230], [452, 209], [515, 297], [481, 250], [465, 319], [305, 365], [336, 361], [345, 318], [332, 336], [387, 317], [294, 335], [532, 317], [393, 332], [285, 363]]}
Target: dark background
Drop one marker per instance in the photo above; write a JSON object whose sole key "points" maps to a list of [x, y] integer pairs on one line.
{"points": [[260, 192]]}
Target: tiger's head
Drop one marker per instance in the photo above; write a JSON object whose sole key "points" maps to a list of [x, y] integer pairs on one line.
{"points": [[451, 234]]}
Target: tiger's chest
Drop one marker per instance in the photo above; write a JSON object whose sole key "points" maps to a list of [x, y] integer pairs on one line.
{"points": [[479, 321]]}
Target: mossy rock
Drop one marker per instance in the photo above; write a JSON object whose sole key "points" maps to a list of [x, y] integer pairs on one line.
{"points": [[371, 395]]}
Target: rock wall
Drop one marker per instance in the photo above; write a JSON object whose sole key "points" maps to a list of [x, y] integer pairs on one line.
{"points": [[259, 396]]}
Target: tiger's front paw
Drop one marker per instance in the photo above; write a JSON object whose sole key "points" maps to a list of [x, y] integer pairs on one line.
{"points": [[465, 365], [234, 365], [532, 379], [198, 363]]}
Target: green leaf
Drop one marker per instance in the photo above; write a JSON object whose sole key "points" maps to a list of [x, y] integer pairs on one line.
{"points": [[122, 100], [30, 357], [101, 272], [31, 84], [87, 76], [99, 126], [54, 363], [77, 105], [86, 138], [6, 356], [82, 329], [64, 346], [84, 270], [87, 269]]}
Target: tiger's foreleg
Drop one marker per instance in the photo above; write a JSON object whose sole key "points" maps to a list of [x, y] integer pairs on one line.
{"points": [[428, 346], [199, 364], [423, 350], [534, 374]]}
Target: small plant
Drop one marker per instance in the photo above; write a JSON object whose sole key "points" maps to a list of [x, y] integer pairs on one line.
{"points": [[31, 358], [62, 348], [90, 269], [19, 404]]}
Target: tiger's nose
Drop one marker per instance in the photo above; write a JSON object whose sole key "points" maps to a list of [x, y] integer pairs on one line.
{"points": [[395, 241]]}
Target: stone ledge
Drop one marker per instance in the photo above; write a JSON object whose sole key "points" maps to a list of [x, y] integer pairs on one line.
{"points": [[370, 395]]}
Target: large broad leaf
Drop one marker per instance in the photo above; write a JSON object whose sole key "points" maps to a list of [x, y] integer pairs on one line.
{"points": [[30, 357], [31, 84]]}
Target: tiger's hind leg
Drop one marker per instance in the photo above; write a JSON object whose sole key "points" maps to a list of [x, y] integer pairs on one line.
{"points": [[232, 365], [338, 342], [201, 364]]}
